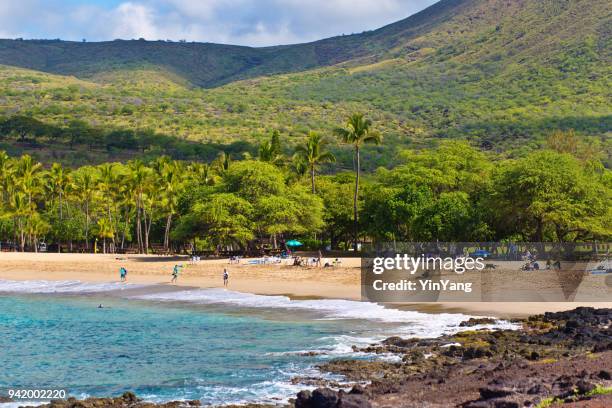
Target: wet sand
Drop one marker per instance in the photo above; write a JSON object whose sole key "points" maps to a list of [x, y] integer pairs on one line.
{"points": [[297, 282]]}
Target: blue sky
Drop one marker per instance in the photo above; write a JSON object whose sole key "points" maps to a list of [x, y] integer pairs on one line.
{"points": [[243, 22]]}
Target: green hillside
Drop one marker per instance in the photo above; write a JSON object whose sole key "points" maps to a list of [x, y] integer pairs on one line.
{"points": [[209, 65], [501, 74]]}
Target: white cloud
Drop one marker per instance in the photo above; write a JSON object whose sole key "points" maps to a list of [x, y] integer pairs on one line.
{"points": [[133, 20], [244, 22]]}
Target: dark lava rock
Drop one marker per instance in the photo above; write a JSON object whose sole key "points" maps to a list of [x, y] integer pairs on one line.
{"points": [[357, 389], [494, 392], [353, 401], [303, 399], [476, 352], [323, 398], [539, 389], [399, 342], [127, 400], [585, 386], [604, 346], [129, 397], [328, 398], [506, 404], [475, 321], [529, 365], [384, 387]]}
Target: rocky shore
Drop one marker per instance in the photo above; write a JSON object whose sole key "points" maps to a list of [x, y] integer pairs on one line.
{"points": [[559, 359], [556, 359]]}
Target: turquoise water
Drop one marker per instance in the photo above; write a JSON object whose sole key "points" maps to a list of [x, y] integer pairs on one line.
{"points": [[168, 343], [161, 352]]}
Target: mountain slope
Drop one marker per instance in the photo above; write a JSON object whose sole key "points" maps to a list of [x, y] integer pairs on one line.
{"points": [[208, 65], [504, 74]]}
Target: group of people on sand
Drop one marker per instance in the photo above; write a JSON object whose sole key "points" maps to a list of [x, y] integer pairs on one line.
{"points": [[175, 274], [532, 263], [316, 261]]}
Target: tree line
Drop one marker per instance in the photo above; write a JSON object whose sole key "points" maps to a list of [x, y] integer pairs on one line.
{"points": [[29, 131], [453, 192]]}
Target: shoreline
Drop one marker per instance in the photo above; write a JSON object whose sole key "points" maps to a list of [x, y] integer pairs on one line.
{"points": [[297, 283]]}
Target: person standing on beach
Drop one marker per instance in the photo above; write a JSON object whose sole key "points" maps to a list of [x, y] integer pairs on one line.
{"points": [[225, 277], [175, 273], [123, 274]]}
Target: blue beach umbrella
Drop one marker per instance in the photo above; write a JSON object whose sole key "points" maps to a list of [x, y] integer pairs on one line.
{"points": [[293, 243]]}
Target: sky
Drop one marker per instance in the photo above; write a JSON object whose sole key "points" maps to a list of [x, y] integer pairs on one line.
{"points": [[241, 22]]}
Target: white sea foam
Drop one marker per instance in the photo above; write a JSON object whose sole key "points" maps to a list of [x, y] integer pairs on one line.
{"points": [[17, 404], [412, 323], [43, 286], [272, 391]]}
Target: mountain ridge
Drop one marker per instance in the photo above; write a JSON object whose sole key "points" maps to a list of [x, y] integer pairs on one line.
{"points": [[219, 63]]}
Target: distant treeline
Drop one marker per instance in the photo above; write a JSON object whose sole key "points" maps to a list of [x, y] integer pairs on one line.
{"points": [[33, 133]]}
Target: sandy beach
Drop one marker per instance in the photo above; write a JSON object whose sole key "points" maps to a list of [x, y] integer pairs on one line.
{"points": [[341, 282]]}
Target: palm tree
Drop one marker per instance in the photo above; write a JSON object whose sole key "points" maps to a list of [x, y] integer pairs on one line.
{"points": [[358, 131], [85, 190], [201, 173], [313, 153], [267, 152], [20, 212], [167, 180], [139, 180], [28, 177], [36, 227], [58, 182], [6, 175], [108, 183], [222, 163], [105, 230]]}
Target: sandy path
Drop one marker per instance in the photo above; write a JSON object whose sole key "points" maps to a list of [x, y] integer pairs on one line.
{"points": [[298, 282]]}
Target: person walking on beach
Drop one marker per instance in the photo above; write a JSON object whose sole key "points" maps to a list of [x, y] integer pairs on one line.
{"points": [[175, 273], [225, 277], [123, 274]]}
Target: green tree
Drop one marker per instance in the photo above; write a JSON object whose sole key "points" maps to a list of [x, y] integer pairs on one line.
{"points": [[224, 219], [451, 217], [357, 132], [85, 192], [36, 226], [337, 196], [275, 143], [452, 166], [254, 179], [106, 230], [140, 179], [390, 212], [58, 181], [313, 153], [552, 196]]}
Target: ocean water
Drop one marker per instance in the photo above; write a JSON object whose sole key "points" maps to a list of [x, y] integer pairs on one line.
{"points": [[209, 344]]}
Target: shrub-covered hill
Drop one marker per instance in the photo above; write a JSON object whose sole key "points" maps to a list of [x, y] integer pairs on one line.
{"points": [[503, 74], [209, 65]]}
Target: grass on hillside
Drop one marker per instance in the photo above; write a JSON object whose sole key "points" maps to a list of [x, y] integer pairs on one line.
{"points": [[504, 76]]}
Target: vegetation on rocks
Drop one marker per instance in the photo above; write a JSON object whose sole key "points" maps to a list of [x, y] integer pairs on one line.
{"points": [[566, 363]]}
